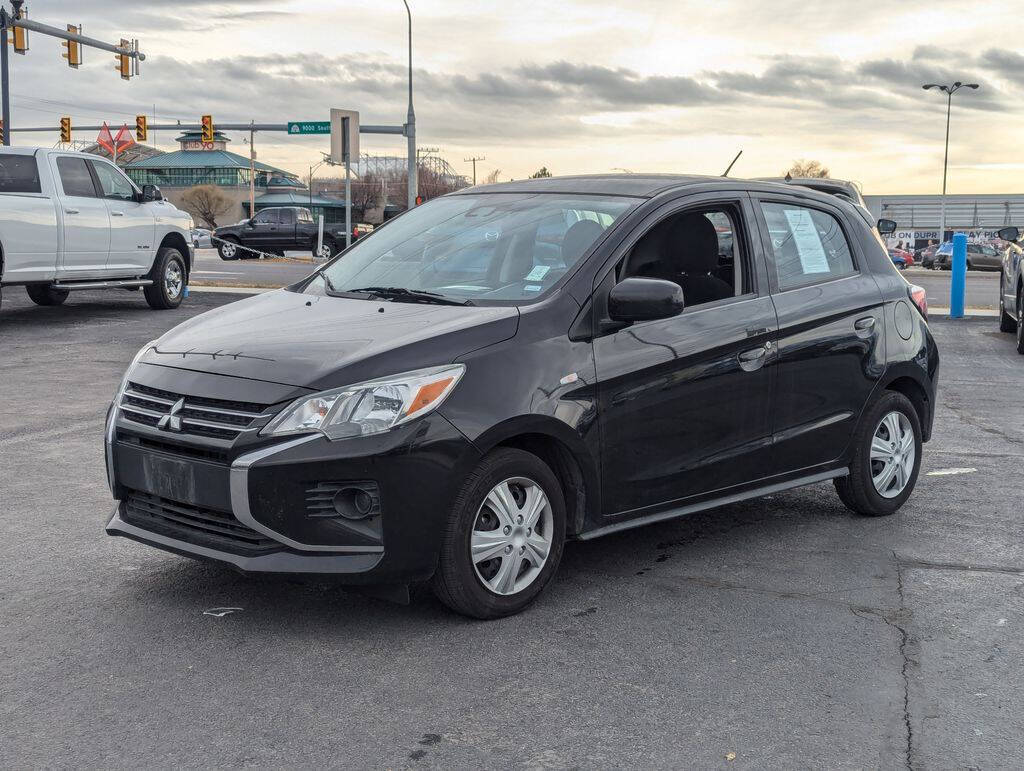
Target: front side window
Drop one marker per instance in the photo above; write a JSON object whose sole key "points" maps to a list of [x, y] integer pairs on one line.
{"points": [[497, 247], [266, 217], [809, 245], [75, 177], [113, 183], [19, 174]]}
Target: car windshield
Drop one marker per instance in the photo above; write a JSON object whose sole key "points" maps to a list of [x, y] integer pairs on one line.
{"points": [[504, 248]]}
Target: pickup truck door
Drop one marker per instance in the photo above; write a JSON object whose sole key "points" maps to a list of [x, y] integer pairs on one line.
{"points": [[286, 233], [86, 221], [132, 224], [262, 231]]}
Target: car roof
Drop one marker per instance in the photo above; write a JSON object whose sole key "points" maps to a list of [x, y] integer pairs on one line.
{"points": [[636, 185]]}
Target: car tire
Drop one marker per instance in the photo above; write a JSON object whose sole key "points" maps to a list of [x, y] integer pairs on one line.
{"points": [[1020, 322], [170, 279], [1006, 321], [874, 487], [492, 512], [228, 248], [44, 294], [330, 248]]}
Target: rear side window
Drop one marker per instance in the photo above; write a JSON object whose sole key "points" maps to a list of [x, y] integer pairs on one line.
{"points": [[75, 177], [808, 244], [287, 216], [305, 216], [19, 174]]}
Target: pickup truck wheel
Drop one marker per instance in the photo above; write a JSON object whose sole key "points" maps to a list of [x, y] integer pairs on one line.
{"points": [[169, 279], [328, 250], [43, 294], [228, 249]]}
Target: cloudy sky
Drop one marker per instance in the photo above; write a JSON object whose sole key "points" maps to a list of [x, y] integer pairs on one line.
{"points": [[579, 86]]}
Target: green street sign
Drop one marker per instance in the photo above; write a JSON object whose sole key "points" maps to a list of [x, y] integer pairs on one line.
{"points": [[309, 127]]}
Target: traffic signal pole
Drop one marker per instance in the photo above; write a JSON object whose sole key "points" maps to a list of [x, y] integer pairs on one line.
{"points": [[9, 20]]}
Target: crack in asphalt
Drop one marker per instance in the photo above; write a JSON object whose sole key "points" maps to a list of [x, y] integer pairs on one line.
{"points": [[904, 640], [957, 410], [1010, 570]]}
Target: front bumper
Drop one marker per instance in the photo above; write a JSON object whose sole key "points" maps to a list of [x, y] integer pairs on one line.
{"points": [[268, 508]]}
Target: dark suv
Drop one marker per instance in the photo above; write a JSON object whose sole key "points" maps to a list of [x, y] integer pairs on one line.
{"points": [[278, 229], [503, 369]]}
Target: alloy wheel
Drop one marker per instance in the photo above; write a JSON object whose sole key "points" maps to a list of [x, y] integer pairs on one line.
{"points": [[893, 452], [174, 279], [511, 537], [227, 250]]}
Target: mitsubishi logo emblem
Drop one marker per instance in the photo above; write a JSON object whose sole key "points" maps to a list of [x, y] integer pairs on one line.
{"points": [[171, 421]]}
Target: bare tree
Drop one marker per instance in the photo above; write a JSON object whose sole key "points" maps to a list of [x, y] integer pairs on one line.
{"points": [[802, 168], [207, 203], [541, 172], [492, 178]]}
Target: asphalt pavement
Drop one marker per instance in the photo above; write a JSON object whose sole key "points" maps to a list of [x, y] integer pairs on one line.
{"points": [[982, 287], [778, 633]]}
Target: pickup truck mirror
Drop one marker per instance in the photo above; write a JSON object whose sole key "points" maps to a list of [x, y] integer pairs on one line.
{"points": [[151, 193], [1009, 234]]}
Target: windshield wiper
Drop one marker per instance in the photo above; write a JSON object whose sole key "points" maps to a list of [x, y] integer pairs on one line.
{"points": [[408, 295]]}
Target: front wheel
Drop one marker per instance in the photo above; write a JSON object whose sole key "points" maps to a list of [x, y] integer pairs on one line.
{"points": [[1006, 322], [44, 294], [169, 280], [1020, 322], [228, 249], [504, 539], [886, 458]]}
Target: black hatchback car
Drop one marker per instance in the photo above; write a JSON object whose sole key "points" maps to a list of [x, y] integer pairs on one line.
{"points": [[512, 366]]}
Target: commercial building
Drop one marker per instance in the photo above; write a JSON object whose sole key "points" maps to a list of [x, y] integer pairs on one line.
{"points": [[917, 216]]}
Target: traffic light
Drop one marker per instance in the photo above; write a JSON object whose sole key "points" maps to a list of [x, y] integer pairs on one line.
{"points": [[207, 122], [19, 35], [65, 129], [124, 63], [74, 50], [140, 128]]}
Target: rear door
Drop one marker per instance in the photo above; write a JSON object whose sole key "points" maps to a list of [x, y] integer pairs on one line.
{"points": [[287, 222], [830, 339], [86, 220], [132, 224]]}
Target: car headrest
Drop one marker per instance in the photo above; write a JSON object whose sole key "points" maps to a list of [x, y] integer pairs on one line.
{"points": [[692, 244], [578, 239]]}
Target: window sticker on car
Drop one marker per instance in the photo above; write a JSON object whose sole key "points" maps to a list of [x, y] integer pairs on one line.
{"points": [[532, 288], [538, 273], [807, 240]]}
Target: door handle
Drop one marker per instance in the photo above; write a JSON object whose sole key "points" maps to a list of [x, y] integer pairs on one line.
{"points": [[754, 359], [117, 214], [71, 211], [864, 326]]}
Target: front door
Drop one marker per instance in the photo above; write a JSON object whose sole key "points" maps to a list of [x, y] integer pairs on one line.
{"points": [[685, 402], [86, 221], [262, 233], [831, 345], [132, 224]]}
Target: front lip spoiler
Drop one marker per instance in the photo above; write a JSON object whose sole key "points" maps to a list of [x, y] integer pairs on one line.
{"points": [[275, 562]]}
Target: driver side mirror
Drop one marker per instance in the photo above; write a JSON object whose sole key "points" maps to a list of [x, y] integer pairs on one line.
{"points": [[151, 193], [1010, 234], [644, 299], [886, 227]]}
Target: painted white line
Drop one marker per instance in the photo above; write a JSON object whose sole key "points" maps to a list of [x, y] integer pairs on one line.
{"points": [[942, 472], [936, 311]]}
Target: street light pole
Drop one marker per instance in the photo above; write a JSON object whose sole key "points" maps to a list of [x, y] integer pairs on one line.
{"points": [[410, 126], [949, 91]]}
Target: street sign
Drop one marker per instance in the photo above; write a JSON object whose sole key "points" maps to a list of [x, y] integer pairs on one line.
{"points": [[309, 127]]}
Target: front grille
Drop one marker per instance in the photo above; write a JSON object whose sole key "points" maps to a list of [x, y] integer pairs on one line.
{"points": [[185, 414], [194, 524], [174, 448]]}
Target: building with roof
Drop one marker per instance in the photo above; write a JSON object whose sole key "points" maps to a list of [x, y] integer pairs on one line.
{"points": [[917, 216], [211, 163]]}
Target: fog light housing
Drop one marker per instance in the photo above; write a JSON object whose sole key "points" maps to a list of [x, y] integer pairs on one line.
{"points": [[353, 501]]}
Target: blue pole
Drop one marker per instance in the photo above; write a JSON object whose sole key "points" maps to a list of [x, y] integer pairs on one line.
{"points": [[958, 286]]}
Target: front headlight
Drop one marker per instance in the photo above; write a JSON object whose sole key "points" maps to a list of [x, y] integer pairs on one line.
{"points": [[128, 372], [368, 408]]}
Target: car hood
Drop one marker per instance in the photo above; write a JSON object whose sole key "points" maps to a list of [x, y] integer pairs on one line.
{"points": [[320, 342]]}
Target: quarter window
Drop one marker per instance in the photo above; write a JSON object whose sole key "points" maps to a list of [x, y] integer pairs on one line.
{"points": [[75, 177], [808, 244]]}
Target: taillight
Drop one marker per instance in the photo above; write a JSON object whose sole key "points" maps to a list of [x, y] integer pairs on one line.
{"points": [[920, 298]]}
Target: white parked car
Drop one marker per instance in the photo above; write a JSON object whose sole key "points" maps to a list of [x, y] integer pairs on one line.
{"points": [[74, 221]]}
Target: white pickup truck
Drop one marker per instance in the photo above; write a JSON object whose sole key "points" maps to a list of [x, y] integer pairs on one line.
{"points": [[74, 221]]}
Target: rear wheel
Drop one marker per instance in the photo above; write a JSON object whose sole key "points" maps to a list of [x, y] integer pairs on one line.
{"points": [[327, 250], [1006, 322], [1020, 322], [44, 294], [886, 458], [169, 280], [504, 539]]}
